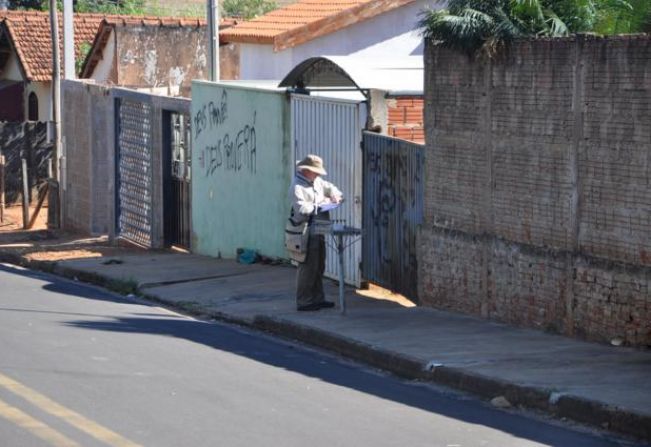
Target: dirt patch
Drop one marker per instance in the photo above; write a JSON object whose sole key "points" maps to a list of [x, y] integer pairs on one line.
{"points": [[41, 244], [52, 246], [13, 219], [61, 255]]}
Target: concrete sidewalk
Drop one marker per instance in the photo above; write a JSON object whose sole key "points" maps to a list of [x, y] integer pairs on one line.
{"points": [[603, 386]]}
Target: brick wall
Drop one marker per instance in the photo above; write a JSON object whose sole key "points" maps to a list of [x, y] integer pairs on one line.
{"points": [[405, 118], [538, 186]]}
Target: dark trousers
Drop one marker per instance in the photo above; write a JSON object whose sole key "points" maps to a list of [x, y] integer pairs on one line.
{"points": [[309, 280]]}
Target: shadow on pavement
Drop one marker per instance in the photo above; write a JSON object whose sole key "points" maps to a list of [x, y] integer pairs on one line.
{"points": [[303, 361]]}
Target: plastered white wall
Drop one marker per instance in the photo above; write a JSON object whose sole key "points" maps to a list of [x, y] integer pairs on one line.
{"points": [[44, 94], [12, 69], [103, 68], [390, 34]]}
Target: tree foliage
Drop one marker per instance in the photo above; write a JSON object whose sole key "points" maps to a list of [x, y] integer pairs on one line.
{"points": [[25, 4], [128, 7], [469, 25], [634, 19], [122, 7], [247, 9]]}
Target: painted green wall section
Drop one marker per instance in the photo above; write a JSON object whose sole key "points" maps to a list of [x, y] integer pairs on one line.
{"points": [[241, 169]]}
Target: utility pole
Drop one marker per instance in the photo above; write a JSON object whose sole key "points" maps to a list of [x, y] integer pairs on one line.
{"points": [[213, 40], [69, 72], [68, 41], [54, 221]]}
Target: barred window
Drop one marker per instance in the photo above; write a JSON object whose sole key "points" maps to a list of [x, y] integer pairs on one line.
{"points": [[32, 107]]}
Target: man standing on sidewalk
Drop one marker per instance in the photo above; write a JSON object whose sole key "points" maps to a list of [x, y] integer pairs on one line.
{"points": [[307, 193]]}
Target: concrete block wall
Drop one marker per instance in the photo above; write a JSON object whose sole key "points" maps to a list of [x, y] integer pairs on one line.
{"points": [[87, 118], [101, 112], [615, 150], [538, 186]]}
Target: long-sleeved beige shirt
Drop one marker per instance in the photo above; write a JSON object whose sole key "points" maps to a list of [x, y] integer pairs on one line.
{"points": [[306, 196]]}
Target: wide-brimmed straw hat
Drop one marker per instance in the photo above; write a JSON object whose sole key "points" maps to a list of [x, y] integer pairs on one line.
{"points": [[312, 163]]}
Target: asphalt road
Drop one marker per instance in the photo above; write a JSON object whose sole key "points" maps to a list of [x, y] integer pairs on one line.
{"points": [[83, 367]]}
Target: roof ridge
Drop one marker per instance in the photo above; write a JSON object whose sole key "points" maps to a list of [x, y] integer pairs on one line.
{"points": [[8, 14], [299, 22], [29, 34]]}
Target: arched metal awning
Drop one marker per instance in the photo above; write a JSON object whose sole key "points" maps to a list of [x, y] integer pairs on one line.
{"points": [[402, 75]]}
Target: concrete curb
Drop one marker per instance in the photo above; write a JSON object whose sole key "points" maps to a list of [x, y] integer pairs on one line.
{"points": [[16, 259], [593, 413], [575, 408]]}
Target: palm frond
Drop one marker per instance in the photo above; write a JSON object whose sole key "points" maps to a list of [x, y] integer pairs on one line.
{"points": [[623, 16], [529, 9], [505, 28], [473, 24], [465, 32], [556, 27]]}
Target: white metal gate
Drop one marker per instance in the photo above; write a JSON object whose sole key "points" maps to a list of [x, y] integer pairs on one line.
{"points": [[332, 129]]}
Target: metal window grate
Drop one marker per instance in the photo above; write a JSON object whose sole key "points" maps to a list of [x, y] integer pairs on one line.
{"points": [[134, 155]]}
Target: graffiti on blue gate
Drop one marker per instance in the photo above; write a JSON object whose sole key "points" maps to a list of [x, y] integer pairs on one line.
{"points": [[393, 196]]}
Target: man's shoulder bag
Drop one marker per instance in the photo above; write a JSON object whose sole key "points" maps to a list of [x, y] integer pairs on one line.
{"points": [[296, 238]]}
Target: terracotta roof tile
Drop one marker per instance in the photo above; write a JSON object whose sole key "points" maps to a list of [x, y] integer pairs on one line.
{"points": [[306, 20], [29, 32], [30, 35]]}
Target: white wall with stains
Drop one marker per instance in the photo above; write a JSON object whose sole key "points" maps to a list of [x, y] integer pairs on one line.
{"points": [[392, 33]]}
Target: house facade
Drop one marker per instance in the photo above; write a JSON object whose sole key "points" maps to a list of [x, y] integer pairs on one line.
{"points": [[144, 54], [26, 62], [273, 44]]}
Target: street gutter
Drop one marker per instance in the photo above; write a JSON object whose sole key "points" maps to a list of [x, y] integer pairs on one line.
{"points": [[549, 401]]}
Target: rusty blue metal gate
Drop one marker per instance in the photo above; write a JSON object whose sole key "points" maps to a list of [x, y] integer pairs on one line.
{"points": [[393, 210], [134, 168]]}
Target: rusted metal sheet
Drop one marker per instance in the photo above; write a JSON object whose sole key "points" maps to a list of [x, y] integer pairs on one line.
{"points": [[393, 209], [332, 129]]}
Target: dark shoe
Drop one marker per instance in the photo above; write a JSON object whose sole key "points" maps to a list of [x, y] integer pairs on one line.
{"points": [[326, 304], [309, 307]]}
